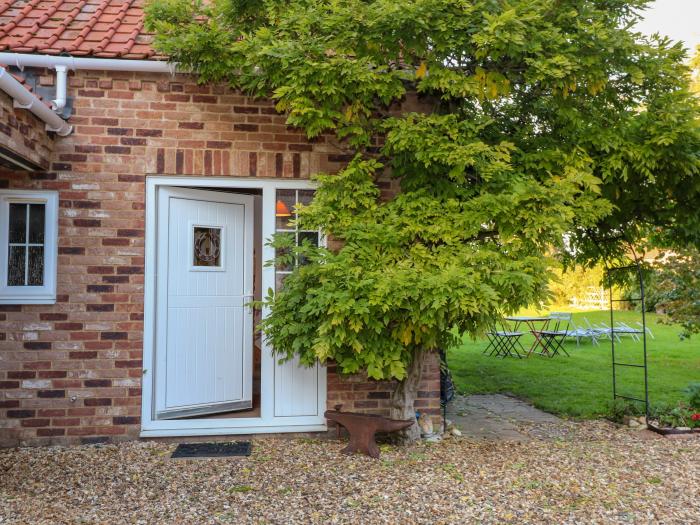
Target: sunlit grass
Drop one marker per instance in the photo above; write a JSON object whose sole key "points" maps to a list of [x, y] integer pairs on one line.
{"points": [[581, 385]]}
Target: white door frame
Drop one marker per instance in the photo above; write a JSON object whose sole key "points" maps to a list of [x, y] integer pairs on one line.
{"points": [[267, 422]]}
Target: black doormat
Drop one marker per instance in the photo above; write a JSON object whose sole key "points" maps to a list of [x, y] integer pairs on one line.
{"points": [[212, 450]]}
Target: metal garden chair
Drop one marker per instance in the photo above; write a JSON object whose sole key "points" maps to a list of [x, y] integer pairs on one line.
{"points": [[579, 332], [504, 342], [552, 340], [625, 329]]}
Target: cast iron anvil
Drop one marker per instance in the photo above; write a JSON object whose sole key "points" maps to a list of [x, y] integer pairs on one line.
{"points": [[362, 428]]}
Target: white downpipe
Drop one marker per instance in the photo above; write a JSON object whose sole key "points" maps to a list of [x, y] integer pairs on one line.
{"points": [[61, 81], [62, 64], [27, 100], [95, 64]]}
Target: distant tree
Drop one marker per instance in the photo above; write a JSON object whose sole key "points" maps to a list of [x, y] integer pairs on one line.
{"points": [[676, 288], [675, 277], [538, 118], [695, 65], [576, 283]]}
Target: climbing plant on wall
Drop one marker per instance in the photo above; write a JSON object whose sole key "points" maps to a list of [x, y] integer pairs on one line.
{"points": [[530, 119]]}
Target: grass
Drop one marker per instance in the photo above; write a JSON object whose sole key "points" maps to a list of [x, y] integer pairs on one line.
{"points": [[580, 386]]}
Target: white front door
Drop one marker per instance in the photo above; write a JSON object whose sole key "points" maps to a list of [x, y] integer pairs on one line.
{"points": [[204, 328]]}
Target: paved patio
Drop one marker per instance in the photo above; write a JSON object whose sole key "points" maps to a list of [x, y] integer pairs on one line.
{"points": [[498, 417]]}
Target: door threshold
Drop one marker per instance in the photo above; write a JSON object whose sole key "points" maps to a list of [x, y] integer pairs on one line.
{"points": [[231, 431]]}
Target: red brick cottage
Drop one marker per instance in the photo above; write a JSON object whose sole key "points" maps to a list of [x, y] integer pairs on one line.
{"points": [[133, 208]]}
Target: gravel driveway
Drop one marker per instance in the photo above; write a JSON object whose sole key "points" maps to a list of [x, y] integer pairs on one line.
{"points": [[596, 474]]}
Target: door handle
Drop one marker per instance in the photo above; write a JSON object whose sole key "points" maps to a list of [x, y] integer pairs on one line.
{"points": [[247, 299]]}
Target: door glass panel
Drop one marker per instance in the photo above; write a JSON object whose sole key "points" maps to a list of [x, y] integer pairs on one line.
{"points": [[307, 238], [16, 266], [306, 196], [279, 280], [284, 209], [282, 265], [207, 247], [310, 238], [35, 274], [36, 223], [285, 213], [18, 222]]}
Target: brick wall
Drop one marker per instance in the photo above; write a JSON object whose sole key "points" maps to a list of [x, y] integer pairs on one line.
{"points": [[357, 393], [71, 372], [23, 133]]}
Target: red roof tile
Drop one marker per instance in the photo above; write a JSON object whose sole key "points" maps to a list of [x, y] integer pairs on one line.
{"points": [[96, 28]]}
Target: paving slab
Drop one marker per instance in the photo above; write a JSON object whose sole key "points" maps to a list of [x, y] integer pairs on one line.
{"points": [[499, 417]]}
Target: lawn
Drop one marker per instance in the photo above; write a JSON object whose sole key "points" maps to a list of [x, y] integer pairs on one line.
{"points": [[580, 386]]}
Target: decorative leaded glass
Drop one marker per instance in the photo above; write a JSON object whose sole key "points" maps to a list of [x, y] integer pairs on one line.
{"points": [[16, 266], [35, 266], [207, 246], [18, 223], [36, 223], [25, 250]]}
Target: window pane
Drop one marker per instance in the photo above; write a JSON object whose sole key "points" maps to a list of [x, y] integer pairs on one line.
{"points": [[306, 196], [282, 266], [279, 281], [36, 223], [18, 222], [15, 266], [286, 202], [284, 208], [36, 266], [207, 246], [307, 238]]}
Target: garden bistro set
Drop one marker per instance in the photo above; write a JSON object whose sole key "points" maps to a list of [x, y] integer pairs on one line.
{"points": [[550, 333]]}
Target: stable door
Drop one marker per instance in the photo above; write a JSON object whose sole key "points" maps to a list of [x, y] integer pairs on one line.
{"points": [[204, 284]]}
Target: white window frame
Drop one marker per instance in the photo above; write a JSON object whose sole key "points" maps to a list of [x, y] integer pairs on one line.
{"points": [[45, 294], [296, 231]]}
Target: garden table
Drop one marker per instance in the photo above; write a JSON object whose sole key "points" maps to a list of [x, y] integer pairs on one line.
{"points": [[531, 322]]}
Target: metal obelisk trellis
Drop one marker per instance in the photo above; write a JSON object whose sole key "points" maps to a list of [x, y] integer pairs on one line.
{"points": [[636, 267]]}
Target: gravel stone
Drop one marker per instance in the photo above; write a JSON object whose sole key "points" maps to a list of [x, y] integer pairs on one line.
{"points": [[594, 472]]}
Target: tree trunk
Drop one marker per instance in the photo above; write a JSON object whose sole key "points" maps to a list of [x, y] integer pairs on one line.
{"points": [[404, 395]]}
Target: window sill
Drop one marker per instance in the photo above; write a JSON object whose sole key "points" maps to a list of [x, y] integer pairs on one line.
{"points": [[21, 300]]}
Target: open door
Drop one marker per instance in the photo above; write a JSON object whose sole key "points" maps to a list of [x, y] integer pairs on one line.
{"points": [[204, 330]]}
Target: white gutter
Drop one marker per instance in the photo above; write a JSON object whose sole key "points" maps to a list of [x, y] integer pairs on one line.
{"points": [[25, 99], [22, 60]]}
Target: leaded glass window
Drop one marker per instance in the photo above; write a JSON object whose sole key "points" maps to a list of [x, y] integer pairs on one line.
{"points": [[25, 259], [28, 246]]}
